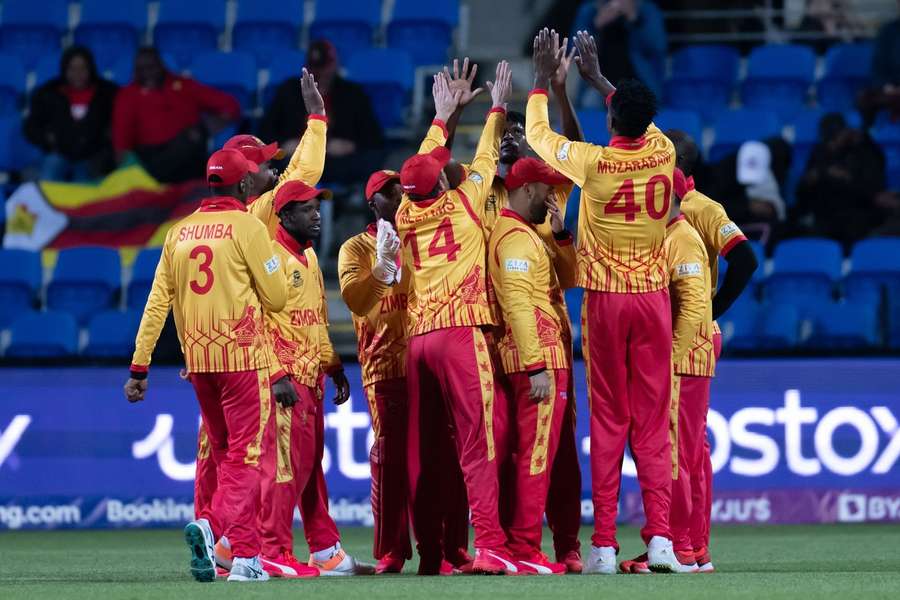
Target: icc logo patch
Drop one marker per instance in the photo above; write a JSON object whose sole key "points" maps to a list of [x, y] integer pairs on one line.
{"points": [[296, 279]]}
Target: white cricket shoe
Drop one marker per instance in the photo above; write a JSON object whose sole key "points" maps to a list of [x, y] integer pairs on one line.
{"points": [[199, 538], [602, 561], [339, 563], [247, 569], [662, 557]]}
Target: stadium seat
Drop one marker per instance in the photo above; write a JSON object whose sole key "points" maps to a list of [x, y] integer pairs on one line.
{"points": [[846, 72], [111, 29], [734, 127], [15, 152], [29, 29], [574, 297], [232, 72], [760, 273], [266, 28], [875, 268], [349, 25], [47, 68], [43, 335], [685, 120], [593, 125], [804, 272], [844, 326], [185, 29], [703, 79], [423, 29], [20, 280], [83, 291], [764, 327], [387, 76], [778, 78], [739, 320], [893, 324], [12, 84], [289, 64], [111, 334], [142, 277]]}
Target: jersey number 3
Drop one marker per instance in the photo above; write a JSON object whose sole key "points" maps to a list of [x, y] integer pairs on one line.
{"points": [[443, 242], [622, 202], [205, 274]]}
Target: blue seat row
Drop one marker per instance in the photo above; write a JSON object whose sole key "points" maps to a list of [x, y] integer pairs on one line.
{"points": [[55, 334]]}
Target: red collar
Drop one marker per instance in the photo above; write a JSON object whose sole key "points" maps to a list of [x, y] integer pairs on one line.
{"points": [[507, 212], [689, 183], [217, 203], [627, 143], [674, 220], [292, 245], [372, 229]]}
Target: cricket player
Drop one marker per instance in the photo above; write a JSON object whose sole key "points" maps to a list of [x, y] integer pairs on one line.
{"points": [[532, 349], [449, 371], [219, 273], [625, 201], [302, 348]]}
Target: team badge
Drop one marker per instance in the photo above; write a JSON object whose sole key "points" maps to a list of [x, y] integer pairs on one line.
{"points": [[296, 279]]}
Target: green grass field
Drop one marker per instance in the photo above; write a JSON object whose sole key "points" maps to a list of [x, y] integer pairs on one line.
{"points": [[814, 563]]}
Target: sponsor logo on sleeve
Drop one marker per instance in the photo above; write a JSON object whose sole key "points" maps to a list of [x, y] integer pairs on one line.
{"points": [[728, 229], [475, 177], [516, 265], [688, 269], [563, 153], [272, 264]]}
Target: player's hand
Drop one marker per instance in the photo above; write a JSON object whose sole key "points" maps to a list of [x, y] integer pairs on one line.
{"points": [[540, 387], [135, 389], [341, 386], [462, 81], [312, 99], [284, 392], [556, 221], [546, 57], [562, 71], [588, 59], [445, 99], [184, 374], [501, 87]]}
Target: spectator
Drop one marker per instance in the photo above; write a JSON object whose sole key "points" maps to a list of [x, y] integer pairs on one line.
{"points": [[631, 40], [69, 119], [845, 172], [885, 90], [355, 140], [166, 119]]}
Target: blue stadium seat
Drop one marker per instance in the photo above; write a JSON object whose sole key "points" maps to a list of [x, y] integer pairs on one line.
{"points": [[424, 29], [846, 72], [760, 273], [844, 326], [12, 83], [185, 29], [20, 280], [387, 76], [232, 72], [111, 334], [768, 327], [593, 125], [47, 68], [289, 64], [804, 272], [875, 268], [739, 321], [888, 137], [893, 324], [574, 298], [15, 152], [703, 79], [30, 29], [43, 335], [734, 127], [111, 29], [685, 120], [142, 277], [266, 28], [80, 290], [778, 78], [349, 25]]}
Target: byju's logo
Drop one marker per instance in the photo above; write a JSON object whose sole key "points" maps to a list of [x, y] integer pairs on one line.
{"points": [[857, 508]]}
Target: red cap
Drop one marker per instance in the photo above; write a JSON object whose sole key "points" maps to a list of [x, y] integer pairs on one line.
{"points": [[297, 191], [378, 179], [230, 166], [321, 54], [420, 173], [253, 148], [532, 170]]}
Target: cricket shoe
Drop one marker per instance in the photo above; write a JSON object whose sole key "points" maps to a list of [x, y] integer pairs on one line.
{"points": [[248, 570], [602, 561], [539, 564], [199, 538], [704, 560], [662, 558], [223, 553], [389, 564], [447, 569], [493, 562], [573, 562], [637, 565], [461, 561], [287, 566], [340, 564]]}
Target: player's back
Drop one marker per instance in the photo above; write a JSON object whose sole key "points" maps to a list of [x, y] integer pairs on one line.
{"points": [[718, 232]]}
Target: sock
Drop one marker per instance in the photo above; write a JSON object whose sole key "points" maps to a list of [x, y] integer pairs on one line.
{"points": [[327, 553]]}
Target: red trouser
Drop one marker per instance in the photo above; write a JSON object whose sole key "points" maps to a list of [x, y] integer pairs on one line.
{"points": [[451, 383], [627, 347], [504, 434], [692, 491], [537, 426], [236, 410], [387, 460], [293, 476], [564, 496], [205, 477]]}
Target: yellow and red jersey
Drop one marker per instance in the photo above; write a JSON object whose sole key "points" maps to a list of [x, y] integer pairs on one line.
{"points": [[379, 310], [527, 289], [692, 324], [299, 334], [625, 198], [306, 165], [444, 246], [218, 272]]}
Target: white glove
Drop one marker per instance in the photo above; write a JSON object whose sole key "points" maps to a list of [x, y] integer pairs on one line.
{"points": [[387, 246]]}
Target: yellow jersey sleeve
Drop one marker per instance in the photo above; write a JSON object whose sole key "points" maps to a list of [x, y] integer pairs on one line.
{"points": [[689, 284], [572, 159], [308, 161], [436, 137], [265, 268], [359, 289], [162, 293], [477, 185]]}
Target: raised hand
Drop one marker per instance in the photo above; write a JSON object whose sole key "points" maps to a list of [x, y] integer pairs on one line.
{"points": [[559, 78], [501, 87], [445, 99], [588, 62], [462, 81], [547, 57], [309, 89]]}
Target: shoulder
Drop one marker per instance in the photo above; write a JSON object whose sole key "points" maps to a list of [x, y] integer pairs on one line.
{"points": [[697, 206], [358, 244]]}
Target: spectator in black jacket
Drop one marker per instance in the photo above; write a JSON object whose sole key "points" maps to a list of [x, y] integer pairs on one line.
{"points": [[355, 140], [69, 120]]}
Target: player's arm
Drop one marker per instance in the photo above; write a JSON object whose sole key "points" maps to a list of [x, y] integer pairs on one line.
{"points": [[571, 128], [742, 264], [360, 290], [690, 291], [564, 259], [330, 361], [461, 81], [308, 161], [266, 270]]}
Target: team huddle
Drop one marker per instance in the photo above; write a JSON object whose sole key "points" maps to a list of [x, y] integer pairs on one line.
{"points": [[464, 340]]}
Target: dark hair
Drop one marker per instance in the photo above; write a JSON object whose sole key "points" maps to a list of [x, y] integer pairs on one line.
{"points": [[78, 51], [830, 125], [514, 116], [633, 107], [686, 152]]}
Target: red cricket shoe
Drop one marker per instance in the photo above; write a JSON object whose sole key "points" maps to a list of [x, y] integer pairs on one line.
{"points": [[539, 564], [389, 564], [447, 569], [573, 562], [637, 565], [493, 562], [287, 566], [461, 562], [704, 560]]}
